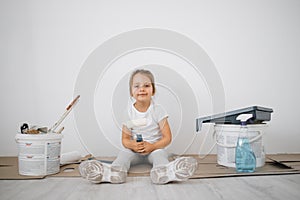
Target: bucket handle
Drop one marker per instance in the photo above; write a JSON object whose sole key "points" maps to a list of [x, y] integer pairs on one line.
{"points": [[234, 145]]}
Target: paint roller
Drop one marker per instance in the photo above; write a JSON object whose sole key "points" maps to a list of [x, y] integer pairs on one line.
{"points": [[136, 123]]}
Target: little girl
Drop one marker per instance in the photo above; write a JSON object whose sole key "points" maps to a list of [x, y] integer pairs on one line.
{"points": [[144, 137]]}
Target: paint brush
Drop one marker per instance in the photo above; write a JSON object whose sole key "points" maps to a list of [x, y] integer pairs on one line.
{"points": [[60, 130], [68, 110]]}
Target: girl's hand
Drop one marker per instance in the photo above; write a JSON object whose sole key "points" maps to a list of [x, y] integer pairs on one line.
{"points": [[138, 147], [148, 148]]}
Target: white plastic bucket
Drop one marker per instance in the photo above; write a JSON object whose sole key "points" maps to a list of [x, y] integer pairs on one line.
{"points": [[226, 138], [39, 154]]}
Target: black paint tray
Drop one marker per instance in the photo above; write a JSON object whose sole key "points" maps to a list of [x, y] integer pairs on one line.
{"points": [[259, 114]]}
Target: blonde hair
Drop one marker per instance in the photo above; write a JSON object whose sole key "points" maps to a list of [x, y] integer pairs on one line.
{"points": [[147, 73]]}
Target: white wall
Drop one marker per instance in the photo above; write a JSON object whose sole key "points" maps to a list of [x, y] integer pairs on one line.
{"points": [[254, 46]]}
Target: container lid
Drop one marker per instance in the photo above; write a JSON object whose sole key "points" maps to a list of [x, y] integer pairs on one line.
{"points": [[260, 114]]}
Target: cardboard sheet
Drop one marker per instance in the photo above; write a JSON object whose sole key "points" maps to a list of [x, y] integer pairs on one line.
{"points": [[9, 169], [207, 168]]}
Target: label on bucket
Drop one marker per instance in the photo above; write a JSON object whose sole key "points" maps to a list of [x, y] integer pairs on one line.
{"points": [[29, 148], [39, 157], [227, 155]]}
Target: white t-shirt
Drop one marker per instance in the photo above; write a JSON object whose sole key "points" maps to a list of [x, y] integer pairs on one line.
{"points": [[151, 131]]}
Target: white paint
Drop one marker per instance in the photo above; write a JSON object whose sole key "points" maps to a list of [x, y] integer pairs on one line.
{"points": [[45, 43]]}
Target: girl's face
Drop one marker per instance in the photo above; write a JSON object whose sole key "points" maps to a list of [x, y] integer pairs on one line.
{"points": [[141, 88]]}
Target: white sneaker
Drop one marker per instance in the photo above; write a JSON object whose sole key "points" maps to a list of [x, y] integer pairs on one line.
{"points": [[97, 172], [180, 169]]}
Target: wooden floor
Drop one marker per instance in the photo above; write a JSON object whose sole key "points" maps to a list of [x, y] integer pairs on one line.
{"points": [[281, 187]]}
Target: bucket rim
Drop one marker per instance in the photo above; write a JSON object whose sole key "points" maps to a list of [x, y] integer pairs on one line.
{"points": [[48, 136]]}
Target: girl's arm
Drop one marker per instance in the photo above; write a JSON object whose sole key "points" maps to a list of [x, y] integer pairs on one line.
{"points": [[163, 142]]}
